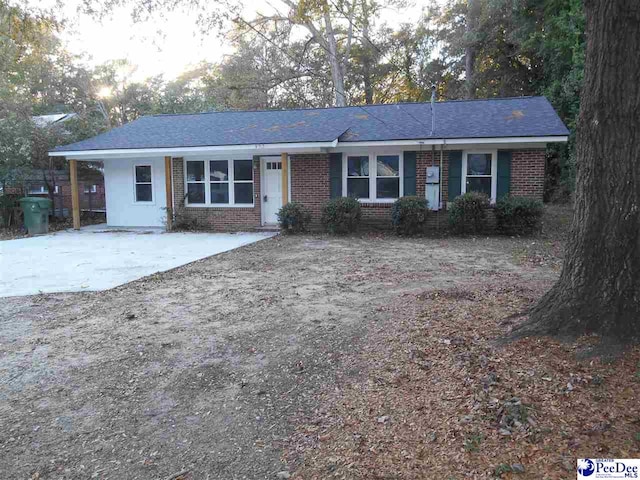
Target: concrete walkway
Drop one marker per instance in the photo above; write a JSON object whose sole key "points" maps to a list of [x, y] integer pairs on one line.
{"points": [[98, 258]]}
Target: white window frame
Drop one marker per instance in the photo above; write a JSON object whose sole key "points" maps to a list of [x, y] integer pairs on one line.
{"points": [[42, 190], [208, 182], [373, 174], [494, 171], [135, 182], [233, 181], [230, 180]]}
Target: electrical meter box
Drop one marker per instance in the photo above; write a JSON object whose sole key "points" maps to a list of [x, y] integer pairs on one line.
{"points": [[432, 187], [433, 174]]}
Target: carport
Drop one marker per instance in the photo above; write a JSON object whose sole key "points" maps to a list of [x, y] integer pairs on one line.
{"points": [[97, 258]]}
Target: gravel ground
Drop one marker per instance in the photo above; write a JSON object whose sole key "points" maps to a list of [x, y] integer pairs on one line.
{"points": [[208, 367]]}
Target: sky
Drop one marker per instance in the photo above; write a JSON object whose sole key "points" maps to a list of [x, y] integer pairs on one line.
{"points": [[165, 46]]}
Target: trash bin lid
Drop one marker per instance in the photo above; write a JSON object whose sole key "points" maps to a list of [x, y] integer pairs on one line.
{"points": [[41, 202]]}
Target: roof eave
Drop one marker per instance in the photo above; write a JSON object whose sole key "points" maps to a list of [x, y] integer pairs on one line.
{"points": [[460, 141], [255, 149]]}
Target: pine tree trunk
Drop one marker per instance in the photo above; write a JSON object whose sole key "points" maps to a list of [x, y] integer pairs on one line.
{"points": [[337, 72], [599, 288], [470, 49], [367, 57]]}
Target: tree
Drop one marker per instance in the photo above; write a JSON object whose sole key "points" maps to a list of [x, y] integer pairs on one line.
{"points": [[270, 70], [472, 17], [561, 46], [599, 288], [124, 99], [189, 93], [333, 27], [15, 149]]}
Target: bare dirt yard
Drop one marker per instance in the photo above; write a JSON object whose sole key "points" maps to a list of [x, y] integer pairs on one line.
{"points": [[314, 357]]}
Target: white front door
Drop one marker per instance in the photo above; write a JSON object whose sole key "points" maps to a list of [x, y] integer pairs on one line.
{"points": [[271, 189]]}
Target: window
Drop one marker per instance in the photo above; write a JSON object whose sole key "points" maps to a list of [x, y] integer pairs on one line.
{"points": [[57, 190], [243, 181], [373, 177], [195, 182], [36, 189], [219, 181], [143, 185], [358, 177], [90, 188], [230, 182], [479, 173], [388, 176]]}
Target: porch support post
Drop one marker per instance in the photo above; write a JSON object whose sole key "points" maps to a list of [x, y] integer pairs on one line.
{"points": [[169, 191], [75, 200], [285, 178]]}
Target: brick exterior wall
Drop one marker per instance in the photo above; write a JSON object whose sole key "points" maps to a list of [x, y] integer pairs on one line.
{"points": [[310, 183], [527, 173], [310, 186], [431, 158], [218, 219]]}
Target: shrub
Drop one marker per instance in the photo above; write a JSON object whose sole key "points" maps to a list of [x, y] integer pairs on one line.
{"points": [[518, 215], [341, 215], [468, 213], [9, 211], [294, 218], [409, 214], [183, 222]]}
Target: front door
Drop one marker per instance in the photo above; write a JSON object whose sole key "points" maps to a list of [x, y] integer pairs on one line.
{"points": [[271, 189]]}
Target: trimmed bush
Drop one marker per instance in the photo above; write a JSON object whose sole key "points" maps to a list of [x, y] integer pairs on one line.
{"points": [[468, 213], [518, 215], [294, 218], [409, 214], [341, 215]]}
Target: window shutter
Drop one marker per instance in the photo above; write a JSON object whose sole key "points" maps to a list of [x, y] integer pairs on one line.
{"points": [[335, 175], [455, 174], [409, 180], [504, 173]]}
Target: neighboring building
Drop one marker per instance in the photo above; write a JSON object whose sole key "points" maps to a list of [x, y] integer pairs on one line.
{"points": [[43, 121], [234, 170], [40, 181], [91, 190]]}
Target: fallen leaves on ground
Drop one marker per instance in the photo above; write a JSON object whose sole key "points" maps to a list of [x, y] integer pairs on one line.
{"points": [[440, 399]]}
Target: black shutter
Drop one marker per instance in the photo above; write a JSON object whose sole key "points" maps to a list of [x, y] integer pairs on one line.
{"points": [[335, 175], [504, 173], [409, 180], [455, 174]]}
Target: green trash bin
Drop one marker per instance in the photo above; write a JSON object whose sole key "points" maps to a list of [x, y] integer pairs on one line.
{"points": [[36, 214]]}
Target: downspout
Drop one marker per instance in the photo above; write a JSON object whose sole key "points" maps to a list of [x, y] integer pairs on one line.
{"points": [[441, 172], [433, 110], [173, 194]]}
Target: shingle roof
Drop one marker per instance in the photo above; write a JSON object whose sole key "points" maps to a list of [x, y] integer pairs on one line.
{"points": [[507, 117]]}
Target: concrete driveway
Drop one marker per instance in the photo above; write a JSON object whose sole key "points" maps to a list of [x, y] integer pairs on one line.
{"points": [[96, 258]]}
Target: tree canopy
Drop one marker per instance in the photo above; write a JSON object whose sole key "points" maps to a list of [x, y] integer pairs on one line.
{"points": [[308, 53]]}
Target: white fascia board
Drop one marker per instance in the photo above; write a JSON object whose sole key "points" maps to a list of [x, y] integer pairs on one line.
{"points": [[255, 149], [457, 141]]}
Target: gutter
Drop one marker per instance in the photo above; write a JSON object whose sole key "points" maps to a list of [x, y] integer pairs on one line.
{"points": [[180, 151], [310, 147], [457, 141]]}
